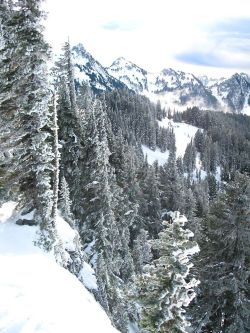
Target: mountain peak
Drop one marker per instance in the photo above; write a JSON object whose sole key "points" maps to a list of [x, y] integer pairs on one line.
{"points": [[80, 49], [89, 70], [119, 60], [129, 73], [122, 62], [168, 71]]}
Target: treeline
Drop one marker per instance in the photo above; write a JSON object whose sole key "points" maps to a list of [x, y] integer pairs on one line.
{"points": [[224, 141], [137, 118]]}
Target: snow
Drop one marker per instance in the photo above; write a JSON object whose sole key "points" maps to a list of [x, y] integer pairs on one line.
{"points": [[184, 133], [80, 59], [198, 173], [67, 234], [156, 155], [81, 76], [37, 295], [87, 275], [192, 250], [246, 107], [6, 211], [218, 174], [220, 96]]}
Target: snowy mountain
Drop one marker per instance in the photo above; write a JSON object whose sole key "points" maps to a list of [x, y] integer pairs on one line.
{"points": [[172, 88], [233, 94], [180, 90], [134, 77], [89, 70], [175, 89]]}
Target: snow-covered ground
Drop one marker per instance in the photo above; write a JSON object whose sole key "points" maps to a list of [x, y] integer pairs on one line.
{"points": [[198, 172], [36, 294], [246, 107], [184, 133], [156, 155]]}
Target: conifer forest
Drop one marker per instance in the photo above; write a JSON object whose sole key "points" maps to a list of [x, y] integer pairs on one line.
{"points": [[167, 238]]}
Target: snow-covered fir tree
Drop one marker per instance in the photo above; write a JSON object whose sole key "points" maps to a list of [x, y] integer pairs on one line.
{"points": [[166, 286], [223, 266], [26, 139], [69, 126]]}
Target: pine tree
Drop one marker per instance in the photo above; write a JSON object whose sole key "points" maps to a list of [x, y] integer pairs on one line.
{"points": [[25, 111], [141, 251], [171, 185], [189, 158], [223, 302], [166, 287], [69, 122], [151, 193], [65, 202], [56, 162], [106, 216]]}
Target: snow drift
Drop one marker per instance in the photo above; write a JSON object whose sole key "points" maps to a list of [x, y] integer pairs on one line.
{"points": [[37, 295]]}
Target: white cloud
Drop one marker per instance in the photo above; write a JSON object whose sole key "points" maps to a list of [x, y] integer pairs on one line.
{"points": [[150, 33]]}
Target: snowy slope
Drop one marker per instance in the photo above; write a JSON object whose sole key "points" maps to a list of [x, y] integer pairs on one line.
{"points": [[184, 133], [37, 295], [174, 89], [156, 155]]}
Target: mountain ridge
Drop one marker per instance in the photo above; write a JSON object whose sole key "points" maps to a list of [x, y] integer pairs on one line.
{"points": [[173, 88]]}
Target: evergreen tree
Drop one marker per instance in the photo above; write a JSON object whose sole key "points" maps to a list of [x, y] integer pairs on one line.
{"points": [[223, 302], [201, 198], [106, 216], [189, 158], [212, 186], [65, 202], [141, 251], [25, 111], [152, 214], [166, 287], [69, 127], [171, 185]]}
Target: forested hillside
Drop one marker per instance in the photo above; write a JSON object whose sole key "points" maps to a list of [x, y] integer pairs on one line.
{"points": [[168, 243]]}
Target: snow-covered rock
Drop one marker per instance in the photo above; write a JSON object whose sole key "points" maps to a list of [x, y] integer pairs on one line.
{"points": [[233, 93], [88, 70], [130, 74]]}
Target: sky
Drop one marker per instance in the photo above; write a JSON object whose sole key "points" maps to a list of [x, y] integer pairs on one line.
{"points": [[198, 36]]}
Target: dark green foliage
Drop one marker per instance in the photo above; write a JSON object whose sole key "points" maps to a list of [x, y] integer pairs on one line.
{"points": [[137, 118], [69, 122], [223, 302], [171, 185], [189, 158], [225, 141]]}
